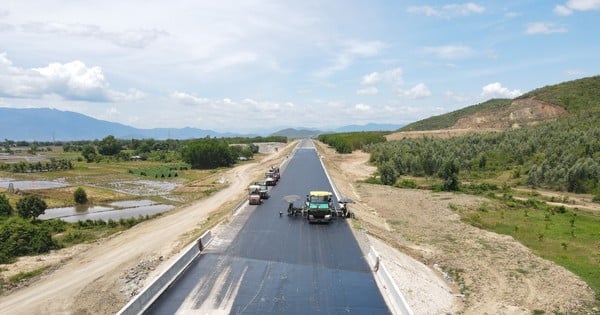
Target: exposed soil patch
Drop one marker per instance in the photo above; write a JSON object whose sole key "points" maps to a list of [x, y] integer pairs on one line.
{"points": [[521, 112]]}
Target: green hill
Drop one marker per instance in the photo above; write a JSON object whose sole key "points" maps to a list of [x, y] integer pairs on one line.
{"points": [[577, 96], [448, 120]]}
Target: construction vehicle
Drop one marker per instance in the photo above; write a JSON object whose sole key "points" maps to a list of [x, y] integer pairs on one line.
{"points": [[254, 195], [263, 190], [274, 173], [318, 207], [269, 181]]}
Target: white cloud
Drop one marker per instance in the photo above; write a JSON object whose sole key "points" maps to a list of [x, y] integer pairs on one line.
{"points": [[449, 51], [350, 51], [416, 92], [188, 99], [562, 10], [496, 90], [371, 78], [448, 10], [391, 76], [544, 28], [576, 5], [132, 95], [574, 72], [511, 14], [362, 107], [457, 97], [72, 81], [6, 27], [130, 38], [371, 90]]}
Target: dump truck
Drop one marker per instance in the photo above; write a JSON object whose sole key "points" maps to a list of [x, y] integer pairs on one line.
{"points": [[274, 173], [254, 195], [263, 190]]}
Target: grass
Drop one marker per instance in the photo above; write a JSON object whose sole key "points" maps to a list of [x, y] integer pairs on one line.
{"points": [[569, 238], [92, 230], [161, 171], [21, 276], [95, 178]]}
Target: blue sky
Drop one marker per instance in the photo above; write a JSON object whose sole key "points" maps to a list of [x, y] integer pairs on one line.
{"points": [[258, 65]]}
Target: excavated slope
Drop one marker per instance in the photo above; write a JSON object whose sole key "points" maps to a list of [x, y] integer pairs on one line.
{"points": [[521, 112]]}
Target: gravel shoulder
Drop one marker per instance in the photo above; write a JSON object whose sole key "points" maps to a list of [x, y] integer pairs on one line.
{"points": [[482, 272]]}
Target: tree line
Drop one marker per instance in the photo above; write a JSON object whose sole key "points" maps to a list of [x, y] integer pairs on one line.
{"points": [[27, 167], [350, 141], [560, 155]]}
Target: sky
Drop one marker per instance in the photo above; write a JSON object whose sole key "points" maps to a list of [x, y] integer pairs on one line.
{"points": [[258, 66]]}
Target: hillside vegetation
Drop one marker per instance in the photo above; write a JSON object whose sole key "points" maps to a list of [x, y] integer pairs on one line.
{"points": [[450, 119], [350, 141], [575, 96]]}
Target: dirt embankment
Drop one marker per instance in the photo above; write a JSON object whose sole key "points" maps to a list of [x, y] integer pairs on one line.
{"points": [[490, 273], [521, 112]]}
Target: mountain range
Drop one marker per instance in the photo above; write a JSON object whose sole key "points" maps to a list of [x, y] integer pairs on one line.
{"points": [[46, 124]]}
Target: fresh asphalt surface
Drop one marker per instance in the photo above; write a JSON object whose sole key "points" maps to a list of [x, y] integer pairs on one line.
{"points": [[267, 264]]}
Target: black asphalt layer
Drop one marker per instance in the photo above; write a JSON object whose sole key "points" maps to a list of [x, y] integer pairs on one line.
{"points": [[271, 264]]}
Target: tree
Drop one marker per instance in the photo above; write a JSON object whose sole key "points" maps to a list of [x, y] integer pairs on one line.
{"points": [[20, 237], [89, 153], [31, 207], [80, 196], [109, 146], [388, 173], [5, 208], [450, 176], [209, 153]]}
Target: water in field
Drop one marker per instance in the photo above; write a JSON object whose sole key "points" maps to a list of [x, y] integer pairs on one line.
{"points": [[31, 184], [114, 211], [143, 187]]}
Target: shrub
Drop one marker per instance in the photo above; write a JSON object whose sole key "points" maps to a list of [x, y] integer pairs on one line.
{"points": [[31, 207], [20, 237], [408, 183], [80, 196], [5, 207]]}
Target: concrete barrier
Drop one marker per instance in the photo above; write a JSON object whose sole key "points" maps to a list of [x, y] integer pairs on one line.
{"points": [[398, 303], [151, 292]]}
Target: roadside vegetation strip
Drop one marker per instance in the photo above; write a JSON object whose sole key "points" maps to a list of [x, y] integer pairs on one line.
{"points": [[448, 120], [350, 141], [568, 237]]}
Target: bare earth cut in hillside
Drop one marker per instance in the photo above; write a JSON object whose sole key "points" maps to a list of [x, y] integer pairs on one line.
{"points": [[490, 273], [520, 113]]}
